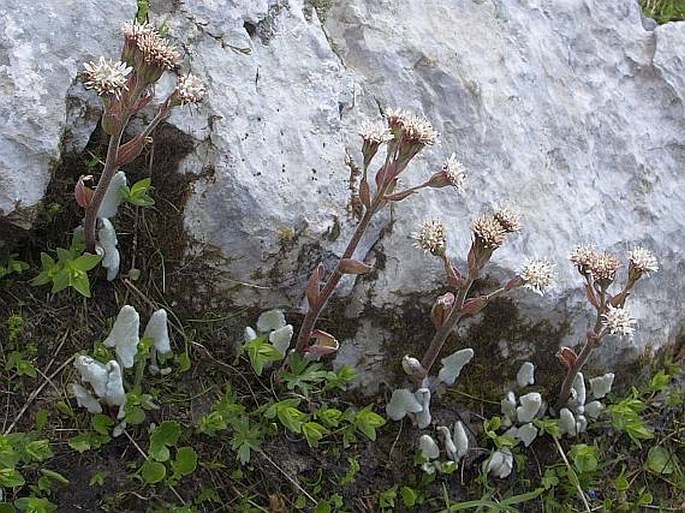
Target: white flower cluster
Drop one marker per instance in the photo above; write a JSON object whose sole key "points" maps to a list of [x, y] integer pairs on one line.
{"points": [[106, 77]]}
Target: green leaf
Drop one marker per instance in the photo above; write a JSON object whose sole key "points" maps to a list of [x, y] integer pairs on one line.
{"points": [[185, 462], [135, 416], [86, 262], [54, 476], [261, 352], [584, 457], [34, 505], [409, 496], [167, 433], [101, 423], [313, 432], [10, 477], [367, 422], [80, 443], [98, 478], [330, 417], [61, 281], [39, 450], [81, 283], [183, 362], [152, 472], [660, 460]]}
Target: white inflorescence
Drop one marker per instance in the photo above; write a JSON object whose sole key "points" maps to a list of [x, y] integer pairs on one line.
{"points": [[643, 260], [157, 52], [431, 237], [375, 132], [604, 266], [413, 128], [537, 275], [490, 231], [454, 170], [509, 218], [618, 321], [190, 89], [583, 256], [133, 30], [106, 76]]}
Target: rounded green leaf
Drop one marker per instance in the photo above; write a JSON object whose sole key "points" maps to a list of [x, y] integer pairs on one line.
{"points": [[185, 462], [152, 472]]}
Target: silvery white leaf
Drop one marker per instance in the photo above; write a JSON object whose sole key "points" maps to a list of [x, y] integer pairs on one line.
{"points": [[429, 449], [281, 337], [270, 321], [461, 440], [526, 375], [508, 405], [115, 395], [452, 365], [594, 409], [124, 336], [450, 448], [118, 429], [250, 334], [527, 433], [112, 199], [581, 424], [93, 372], [157, 329], [501, 463], [423, 417], [601, 385], [579, 387], [85, 399], [402, 402], [107, 237], [567, 422], [530, 405]]}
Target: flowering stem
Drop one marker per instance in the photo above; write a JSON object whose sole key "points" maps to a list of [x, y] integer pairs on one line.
{"points": [[591, 342], [102, 186], [314, 311], [443, 331]]}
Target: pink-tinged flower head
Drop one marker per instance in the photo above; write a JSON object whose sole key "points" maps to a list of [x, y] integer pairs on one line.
{"points": [[454, 172], [489, 231], [509, 218], [537, 275], [106, 77], [431, 237], [190, 89], [133, 30], [156, 52], [373, 135], [642, 261], [411, 127], [583, 257], [604, 267], [618, 321]]}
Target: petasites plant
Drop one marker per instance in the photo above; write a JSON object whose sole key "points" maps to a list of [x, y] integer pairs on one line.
{"points": [[404, 137], [126, 87], [612, 317]]}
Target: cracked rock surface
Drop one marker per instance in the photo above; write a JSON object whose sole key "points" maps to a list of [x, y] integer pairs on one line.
{"points": [[573, 111]]}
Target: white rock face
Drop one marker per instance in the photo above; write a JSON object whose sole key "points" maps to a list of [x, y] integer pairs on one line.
{"points": [[572, 110]]}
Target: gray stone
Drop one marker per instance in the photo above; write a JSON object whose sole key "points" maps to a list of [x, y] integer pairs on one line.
{"points": [[572, 110]]}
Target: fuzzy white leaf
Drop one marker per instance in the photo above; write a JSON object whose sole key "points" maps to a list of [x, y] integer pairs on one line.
{"points": [[567, 422], [530, 405], [450, 448], [93, 372], [452, 365], [250, 334], [429, 449], [124, 336], [461, 440], [270, 321], [85, 399], [107, 238], [527, 433], [423, 418], [158, 330], [501, 463], [115, 395], [281, 337], [526, 375], [112, 199], [508, 405], [402, 402], [579, 387], [593, 409], [601, 385]]}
